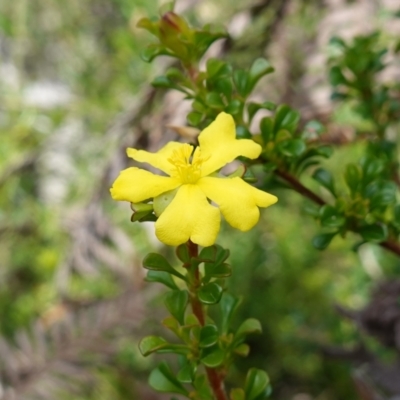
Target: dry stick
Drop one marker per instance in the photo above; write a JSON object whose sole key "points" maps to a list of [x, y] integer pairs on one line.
{"points": [[214, 377], [390, 245]]}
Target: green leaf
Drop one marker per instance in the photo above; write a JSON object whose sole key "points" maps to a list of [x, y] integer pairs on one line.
{"points": [[242, 350], [214, 358], [162, 82], [381, 193], [163, 379], [324, 151], [182, 252], [217, 69], [161, 277], [372, 168], [154, 344], [269, 105], [352, 176], [194, 118], [175, 74], [249, 177], [337, 41], [141, 207], [241, 80], [186, 373], [252, 108], [199, 106], [234, 107], [203, 39], [312, 209], [322, 240], [161, 202], [267, 129], [221, 254], [374, 233], [331, 217], [217, 270], [210, 293], [237, 394], [172, 324], [286, 119], [257, 382], [292, 147], [242, 132], [249, 326], [336, 76], [325, 178], [259, 68], [283, 134], [228, 305], [191, 320], [225, 87], [141, 215], [157, 262], [202, 387], [176, 302], [150, 344], [213, 100], [152, 51], [208, 336], [208, 253], [149, 25]]}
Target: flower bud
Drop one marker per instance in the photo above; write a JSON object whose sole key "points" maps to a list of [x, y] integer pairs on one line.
{"points": [[172, 29]]}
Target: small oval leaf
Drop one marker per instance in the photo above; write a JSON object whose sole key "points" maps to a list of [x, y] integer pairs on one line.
{"points": [[322, 240], [325, 178], [161, 277], [210, 293], [163, 379], [176, 302], [157, 262], [208, 336], [214, 359], [249, 326], [150, 344], [257, 382]]}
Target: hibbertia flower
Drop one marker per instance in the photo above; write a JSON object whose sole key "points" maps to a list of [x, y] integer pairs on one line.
{"points": [[197, 194]]}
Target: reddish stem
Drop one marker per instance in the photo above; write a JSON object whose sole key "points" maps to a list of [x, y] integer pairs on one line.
{"points": [[299, 187], [215, 379]]}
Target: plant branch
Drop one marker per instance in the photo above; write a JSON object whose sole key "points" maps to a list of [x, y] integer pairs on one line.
{"points": [[299, 187], [394, 247], [390, 245], [215, 379]]}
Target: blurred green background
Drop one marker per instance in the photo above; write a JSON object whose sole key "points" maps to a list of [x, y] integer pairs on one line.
{"points": [[74, 93]]}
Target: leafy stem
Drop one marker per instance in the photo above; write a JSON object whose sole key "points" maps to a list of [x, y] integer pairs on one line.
{"points": [[296, 185], [215, 378]]}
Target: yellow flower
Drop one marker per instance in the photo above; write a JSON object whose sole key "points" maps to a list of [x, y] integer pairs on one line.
{"points": [[190, 214]]}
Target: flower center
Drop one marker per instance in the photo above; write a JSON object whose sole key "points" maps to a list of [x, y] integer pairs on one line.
{"points": [[187, 166]]}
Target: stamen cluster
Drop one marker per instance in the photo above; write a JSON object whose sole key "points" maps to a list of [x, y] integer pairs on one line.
{"points": [[187, 167]]}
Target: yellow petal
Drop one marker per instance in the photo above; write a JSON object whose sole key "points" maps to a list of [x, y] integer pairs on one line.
{"points": [[159, 159], [218, 143], [189, 216], [136, 185], [237, 200]]}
